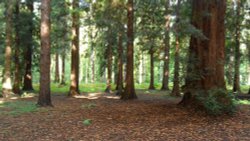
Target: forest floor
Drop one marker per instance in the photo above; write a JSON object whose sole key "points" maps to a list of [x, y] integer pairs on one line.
{"points": [[103, 117]]}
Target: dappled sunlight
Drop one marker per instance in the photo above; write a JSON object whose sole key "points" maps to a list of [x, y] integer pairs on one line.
{"points": [[93, 96]]}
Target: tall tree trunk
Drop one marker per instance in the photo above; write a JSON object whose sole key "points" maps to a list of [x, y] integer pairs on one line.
{"points": [[16, 87], [129, 92], [166, 48], [109, 54], [205, 70], [236, 84], [92, 64], [63, 69], [57, 76], [44, 98], [74, 85], [119, 82], [176, 87], [151, 85], [7, 86], [27, 79]]}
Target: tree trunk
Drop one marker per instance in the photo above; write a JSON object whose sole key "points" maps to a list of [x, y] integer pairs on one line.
{"points": [[27, 79], [151, 85], [236, 84], [92, 64], [119, 85], [129, 92], [63, 69], [205, 70], [57, 76], [109, 54], [74, 85], [44, 98], [16, 87], [166, 48], [176, 87], [7, 86]]}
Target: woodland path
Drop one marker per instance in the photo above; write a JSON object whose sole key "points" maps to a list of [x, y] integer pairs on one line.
{"points": [[150, 118]]}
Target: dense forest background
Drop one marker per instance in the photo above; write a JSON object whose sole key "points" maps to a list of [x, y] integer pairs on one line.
{"points": [[90, 39]]}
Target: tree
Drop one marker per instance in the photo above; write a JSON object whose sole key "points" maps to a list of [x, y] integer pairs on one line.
{"points": [[236, 83], [7, 86], [176, 87], [119, 81], [57, 77], [129, 92], [27, 78], [44, 93], [166, 48], [205, 70], [74, 85], [16, 87]]}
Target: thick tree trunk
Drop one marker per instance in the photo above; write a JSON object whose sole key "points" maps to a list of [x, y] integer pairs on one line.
{"points": [[74, 85], [109, 67], [119, 82], [206, 56], [44, 98], [236, 84], [176, 87], [63, 70], [151, 85], [129, 92], [57, 75], [166, 48], [16, 87], [7, 86], [27, 79]]}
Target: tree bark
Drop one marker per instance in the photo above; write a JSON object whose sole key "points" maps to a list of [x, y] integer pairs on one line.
{"points": [[16, 87], [176, 87], [129, 92], [74, 85], [166, 48], [57, 75], [109, 59], [44, 98], [205, 70], [236, 83], [151, 85], [119, 85], [7, 86], [27, 79]]}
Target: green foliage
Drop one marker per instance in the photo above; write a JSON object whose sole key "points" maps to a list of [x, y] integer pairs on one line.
{"points": [[216, 101], [16, 108], [242, 102], [87, 122]]}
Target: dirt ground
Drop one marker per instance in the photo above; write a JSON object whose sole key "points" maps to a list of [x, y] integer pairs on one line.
{"points": [[150, 118]]}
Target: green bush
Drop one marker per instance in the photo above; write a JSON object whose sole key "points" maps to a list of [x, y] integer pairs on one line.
{"points": [[217, 101]]}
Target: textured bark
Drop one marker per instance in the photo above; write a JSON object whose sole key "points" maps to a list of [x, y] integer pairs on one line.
{"points": [[166, 48], [206, 56], [119, 81], [44, 98], [27, 79], [57, 75], [7, 86], [74, 85], [236, 83], [151, 85], [109, 67], [176, 87], [16, 86], [129, 92]]}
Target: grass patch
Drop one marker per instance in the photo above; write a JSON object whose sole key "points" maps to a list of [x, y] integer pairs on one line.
{"points": [[16, 108], [87, 122], [88, 106], [243, 102]]}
